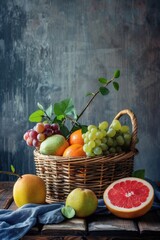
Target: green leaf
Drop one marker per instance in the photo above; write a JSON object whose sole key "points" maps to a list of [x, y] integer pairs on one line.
{"points": [[139, 173], [117, 74], [76, 127], [65, 108], [13, 169], [68, 212], [49, 111], [40, 106], [90, 94], [116, 85], [102, 80], [60, 118], [64, 130], [84, 128], [36, 116], [104, 90]]}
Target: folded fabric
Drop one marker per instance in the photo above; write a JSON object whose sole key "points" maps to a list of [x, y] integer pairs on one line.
{"points": [[15, 224], [156, 203]]}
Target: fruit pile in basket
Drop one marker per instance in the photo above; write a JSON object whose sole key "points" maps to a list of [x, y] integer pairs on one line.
{"points": [[96, 141], [51, 135]]}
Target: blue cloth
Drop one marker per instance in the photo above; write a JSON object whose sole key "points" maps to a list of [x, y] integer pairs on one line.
{"points": [[15, 224], [156, 203]]}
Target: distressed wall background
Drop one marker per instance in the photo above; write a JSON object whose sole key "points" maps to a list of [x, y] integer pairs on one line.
{"points": [[54, 49]]}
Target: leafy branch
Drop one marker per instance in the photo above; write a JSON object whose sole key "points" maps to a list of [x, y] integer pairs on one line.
{"points": [[61, 111], [11, 173], [103, 90]]}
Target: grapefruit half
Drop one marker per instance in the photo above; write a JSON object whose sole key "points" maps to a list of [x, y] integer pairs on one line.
{"points": [[129, 197]]}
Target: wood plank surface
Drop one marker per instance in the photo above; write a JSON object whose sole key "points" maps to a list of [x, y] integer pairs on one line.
{"points": [[6, 197], [76, 226], [39, 237], [34, 233], [60, 238], [112, 226], [149, 224]]}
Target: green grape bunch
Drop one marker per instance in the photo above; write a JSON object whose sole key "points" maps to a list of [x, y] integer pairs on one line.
{"points": [[104, 139]]}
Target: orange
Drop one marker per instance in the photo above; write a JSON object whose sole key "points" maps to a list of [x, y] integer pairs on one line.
{"points": [[129, 197], [29, 188], [76, 137], [74, 150]]}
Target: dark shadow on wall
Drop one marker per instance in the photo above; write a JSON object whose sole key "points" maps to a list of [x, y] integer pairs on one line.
{"points": [[13, 21], [21, 161]]}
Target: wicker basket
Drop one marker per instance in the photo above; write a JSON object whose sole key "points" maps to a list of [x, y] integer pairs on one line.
{"points": [[62, 175]]}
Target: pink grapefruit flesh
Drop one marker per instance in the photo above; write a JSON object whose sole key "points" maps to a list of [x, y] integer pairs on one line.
{"points": [[129, 197]]}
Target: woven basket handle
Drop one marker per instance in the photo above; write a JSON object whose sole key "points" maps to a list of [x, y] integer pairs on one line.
{"points": [[134, 125]]}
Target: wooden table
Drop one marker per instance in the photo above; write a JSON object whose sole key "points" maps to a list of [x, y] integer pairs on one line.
{"points": [[101, 227]]}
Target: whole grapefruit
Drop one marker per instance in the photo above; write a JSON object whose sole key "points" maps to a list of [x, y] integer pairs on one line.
{"points": [[84, 201], [29, 188], [129, 197], [54, 145]]}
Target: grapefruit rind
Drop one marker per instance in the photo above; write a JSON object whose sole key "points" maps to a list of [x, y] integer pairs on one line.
{"points": [[133, 212]]}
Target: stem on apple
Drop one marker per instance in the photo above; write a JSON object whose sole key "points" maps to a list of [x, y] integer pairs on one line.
{"points": [[11, 173]]}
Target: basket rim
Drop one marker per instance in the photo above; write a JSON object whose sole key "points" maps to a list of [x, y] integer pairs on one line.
{"points": [[110, 157]]}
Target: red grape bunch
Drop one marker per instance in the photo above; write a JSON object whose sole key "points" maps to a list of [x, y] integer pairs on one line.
{"points": [[34, 137]]}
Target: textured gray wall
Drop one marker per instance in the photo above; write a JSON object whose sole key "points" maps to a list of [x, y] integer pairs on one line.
{"points": [[53, 49]]}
